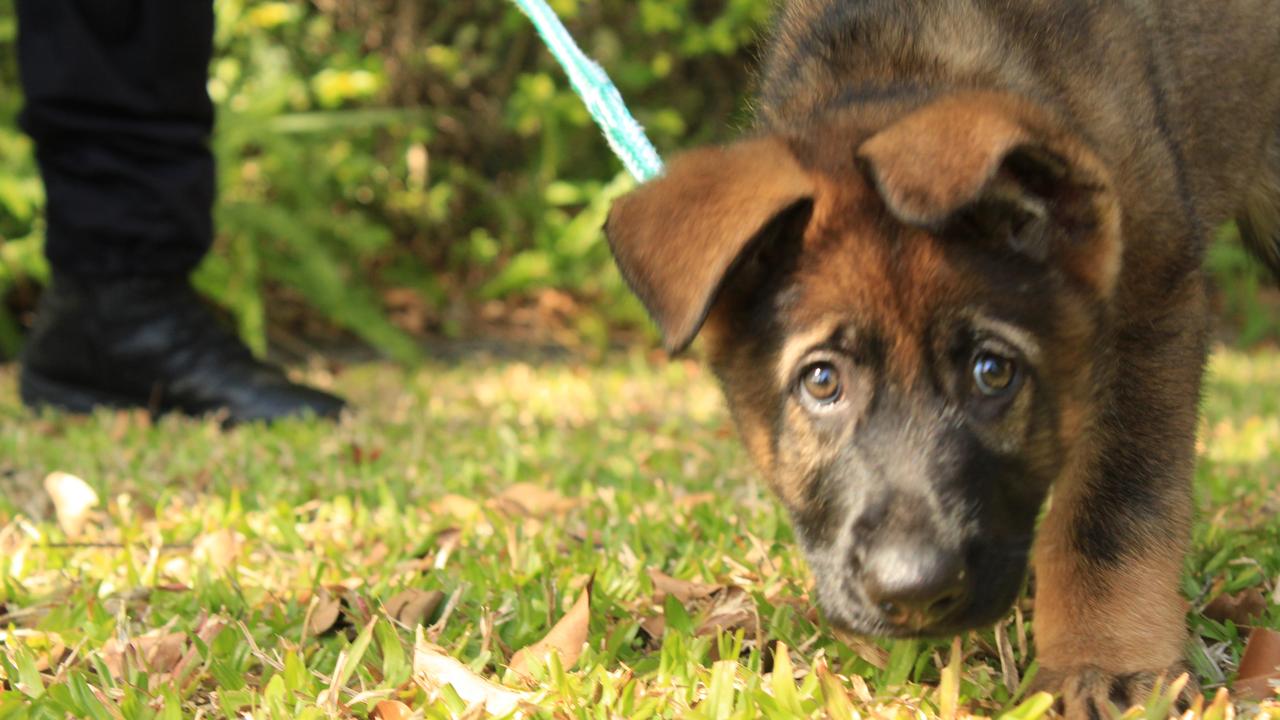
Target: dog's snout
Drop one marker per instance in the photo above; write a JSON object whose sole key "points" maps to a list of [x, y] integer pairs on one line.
{"points": [[915, 586]]}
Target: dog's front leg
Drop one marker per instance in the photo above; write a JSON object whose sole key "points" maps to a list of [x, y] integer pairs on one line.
{"points": [[1109, 617]]}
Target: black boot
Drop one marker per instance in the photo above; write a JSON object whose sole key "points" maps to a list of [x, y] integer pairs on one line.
{"points": [[150, 342]]}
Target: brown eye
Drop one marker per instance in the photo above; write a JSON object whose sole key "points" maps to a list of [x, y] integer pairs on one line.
{"points": [[821, 382], [993, 374]]}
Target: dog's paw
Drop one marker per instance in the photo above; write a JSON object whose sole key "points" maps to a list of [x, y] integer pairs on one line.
{"points": [[1089, 693]]}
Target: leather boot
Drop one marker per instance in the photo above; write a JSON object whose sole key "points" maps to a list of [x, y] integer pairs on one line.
{"points": [[150, 342]]}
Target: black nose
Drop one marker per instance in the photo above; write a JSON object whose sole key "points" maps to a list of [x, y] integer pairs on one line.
{"points": [[914, 586]]}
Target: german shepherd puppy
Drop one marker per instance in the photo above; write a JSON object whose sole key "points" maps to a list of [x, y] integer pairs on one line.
{"points": [[954, 277]]}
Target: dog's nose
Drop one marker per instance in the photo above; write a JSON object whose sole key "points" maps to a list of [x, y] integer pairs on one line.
{"points": [[914, 586]]}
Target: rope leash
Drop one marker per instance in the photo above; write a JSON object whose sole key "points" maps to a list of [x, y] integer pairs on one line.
{"points": [[626, 137]]}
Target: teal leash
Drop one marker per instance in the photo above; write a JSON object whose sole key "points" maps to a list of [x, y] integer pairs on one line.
{"points": [[626, 137]]}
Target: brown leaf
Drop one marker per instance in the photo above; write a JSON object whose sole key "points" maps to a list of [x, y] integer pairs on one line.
{"points": [[157, 652], [73, 501], [165, 655], [1260, 666], [433, 669], [873, 654], [530, 500], [732, 609], [47, 647], [413, 607], [360, 455], [1256, 689], [220, 548], [324, 614], [390, 710], [206, 630], [685, 591], [455, 506], [1008, 665], [1241, 608], [566, 637], [448, 538], [655, 626]]}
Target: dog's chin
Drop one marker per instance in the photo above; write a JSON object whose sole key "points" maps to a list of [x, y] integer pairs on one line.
{"points": [[980, 612], [989, 600]]}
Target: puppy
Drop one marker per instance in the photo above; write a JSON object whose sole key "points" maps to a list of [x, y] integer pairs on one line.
{"points": [[955, 278]]}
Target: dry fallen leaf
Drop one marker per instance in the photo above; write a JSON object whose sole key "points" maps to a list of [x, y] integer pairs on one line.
{"points": [[447, 540], [433, 669], [390, 710], [455, 506], [1008, 665], [1260, 666], [655, 626], [220, 548], [73, 501], [324, 614], [207, 629], [360, 455], [566, 637], [733, 609], [873, 654], [685, 591], [413, 607], [158, 652], [1241, 608], [48, 647], [530, 500]]}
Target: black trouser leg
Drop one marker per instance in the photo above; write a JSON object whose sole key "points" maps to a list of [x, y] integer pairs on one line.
{"points": [[116, 104]]}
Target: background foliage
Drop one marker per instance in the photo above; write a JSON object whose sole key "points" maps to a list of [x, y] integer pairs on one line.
{"points": [[391, 166], [394, 168]]}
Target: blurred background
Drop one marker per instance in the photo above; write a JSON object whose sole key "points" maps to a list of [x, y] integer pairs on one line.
{"points": [[396, 174]]}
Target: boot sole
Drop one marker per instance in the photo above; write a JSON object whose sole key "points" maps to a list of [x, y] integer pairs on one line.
{"points": [[38, 391]]}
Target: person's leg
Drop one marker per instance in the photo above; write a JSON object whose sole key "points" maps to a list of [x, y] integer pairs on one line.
{"points": [[116, 104]]}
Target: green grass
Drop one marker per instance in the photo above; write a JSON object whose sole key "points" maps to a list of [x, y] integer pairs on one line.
{"points": [[258, 530]]}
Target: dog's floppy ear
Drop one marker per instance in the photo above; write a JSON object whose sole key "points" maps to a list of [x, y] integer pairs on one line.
{"points": [[989, 164], [677, 238]]}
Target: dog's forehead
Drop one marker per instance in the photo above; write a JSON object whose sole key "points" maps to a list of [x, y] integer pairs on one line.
{"points": [[863, 273]]}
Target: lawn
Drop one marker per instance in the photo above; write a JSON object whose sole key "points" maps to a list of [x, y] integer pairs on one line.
{"points": [[396, 563]]}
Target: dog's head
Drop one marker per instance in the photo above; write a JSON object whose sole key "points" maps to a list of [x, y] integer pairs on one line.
{"points": [[904, 319]]}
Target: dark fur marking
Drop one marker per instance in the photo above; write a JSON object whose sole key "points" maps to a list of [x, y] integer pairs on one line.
{"points": [[874, 94], [1123, 504], [1199, 232], [823, 35], [869, 350], [1119, 691]]}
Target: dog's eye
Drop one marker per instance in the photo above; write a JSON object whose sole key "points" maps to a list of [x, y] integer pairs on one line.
{"points": [[993, 374], [821, 381]]}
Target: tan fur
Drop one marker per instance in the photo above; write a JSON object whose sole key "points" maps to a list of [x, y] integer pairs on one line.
{"points": [[1113, 619], [942, 157], [939, 158], [713, 227]]}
